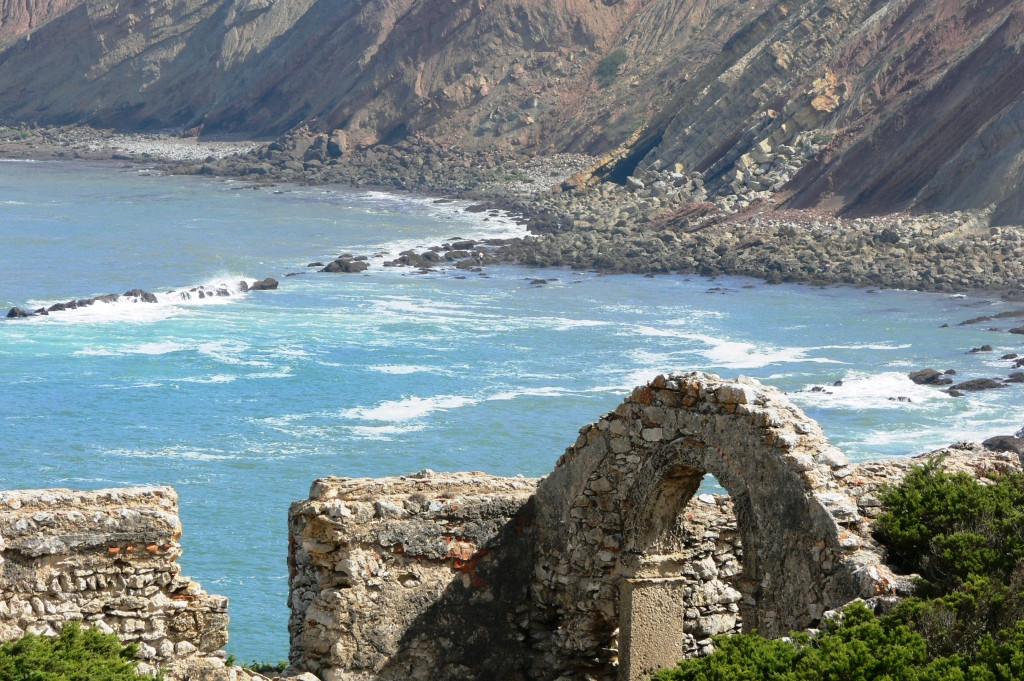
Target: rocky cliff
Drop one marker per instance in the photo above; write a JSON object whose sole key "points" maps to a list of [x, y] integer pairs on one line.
{"points": [[855, 107], [515, 72], [919, 104]]}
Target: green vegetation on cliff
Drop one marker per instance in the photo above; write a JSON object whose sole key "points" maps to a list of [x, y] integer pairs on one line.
{"points": [[966, 541], [77, 654]]}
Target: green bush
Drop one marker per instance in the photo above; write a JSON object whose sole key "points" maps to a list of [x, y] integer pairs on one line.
{"points": [[77, 654], [608, 68], [965, 622], [948, 527]]}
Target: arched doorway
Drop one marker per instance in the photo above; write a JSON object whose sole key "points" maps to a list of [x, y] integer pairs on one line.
{"points": [[616, 590]]}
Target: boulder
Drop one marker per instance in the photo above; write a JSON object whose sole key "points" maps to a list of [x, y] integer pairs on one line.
{"points": [[1018, 330], [144, 296], [979, 384], [983, 348], [346, 266], [929, 376], [107, 298], [1016, 377], [268, 284], [337, 144], [1005, 443], [16, 312]]}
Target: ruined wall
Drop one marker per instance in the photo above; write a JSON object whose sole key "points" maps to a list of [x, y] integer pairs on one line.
{"points": [[615, 566], [107, 558], [608, 514], [419, 577]]}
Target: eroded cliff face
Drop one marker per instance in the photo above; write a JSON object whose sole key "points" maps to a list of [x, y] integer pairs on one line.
{"points": [[21, 17], [920, 103], [917, 103], [472, 71]]}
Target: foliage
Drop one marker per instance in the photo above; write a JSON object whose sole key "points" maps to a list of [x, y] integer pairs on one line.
{"points": [[608, 68], [965, 623], [267, 667], [948, 527], [77, 654]]}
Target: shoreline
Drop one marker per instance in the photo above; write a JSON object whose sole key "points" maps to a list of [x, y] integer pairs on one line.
{"points": [[662, 222]]}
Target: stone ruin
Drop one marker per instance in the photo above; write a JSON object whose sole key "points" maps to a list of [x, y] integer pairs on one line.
{"points": [[107, 559], [610, 567]]}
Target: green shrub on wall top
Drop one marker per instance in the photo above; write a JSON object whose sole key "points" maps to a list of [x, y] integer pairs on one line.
{"points": [[77, 654]]}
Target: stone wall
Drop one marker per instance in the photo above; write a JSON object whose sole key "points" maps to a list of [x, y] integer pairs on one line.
{"points": [[614, 566], [107, 558], [419, 577]]}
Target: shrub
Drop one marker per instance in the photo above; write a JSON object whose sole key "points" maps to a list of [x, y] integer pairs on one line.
{"points": [[965, 623], [77, 654], [608, 68]]}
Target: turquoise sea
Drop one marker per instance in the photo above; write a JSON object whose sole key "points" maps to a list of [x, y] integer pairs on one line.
{"points": [[239, 402]]}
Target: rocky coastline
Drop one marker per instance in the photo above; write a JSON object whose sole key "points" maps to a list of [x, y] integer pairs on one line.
{"points": [[661, 220]]}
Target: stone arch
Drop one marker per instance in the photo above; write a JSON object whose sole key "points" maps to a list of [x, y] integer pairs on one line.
{"points": [[605, 559]]}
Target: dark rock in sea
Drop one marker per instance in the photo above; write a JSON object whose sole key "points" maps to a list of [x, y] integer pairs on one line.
{"points": [[476, 208], [929, 376], [538, 282], [838, 384], [346, 266], [462, 245], [16, 312], [268, 284], [1019, 363], [315, 264], [223, 292], [56, 307], [1005, 443], [42, 311], [107, 298], [243, 286], [901, 398], [1018, 330], [144, 296], [952, 392], [983, 348], [85, 302], [1016, 377], [976, 384], [1010, 355]]}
